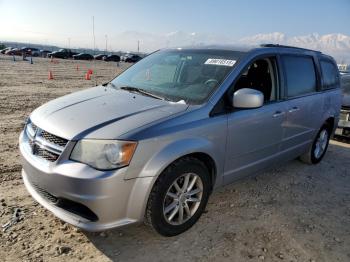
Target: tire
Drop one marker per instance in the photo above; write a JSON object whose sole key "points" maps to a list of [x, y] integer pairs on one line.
{"points": [[158, 214], [311, 156]]}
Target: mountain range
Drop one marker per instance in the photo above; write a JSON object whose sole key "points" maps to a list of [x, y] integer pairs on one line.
{"points": [[337, 45]]}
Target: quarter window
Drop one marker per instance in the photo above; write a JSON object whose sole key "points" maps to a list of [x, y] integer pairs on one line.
{"points": [[330, 75], [300, 75]]}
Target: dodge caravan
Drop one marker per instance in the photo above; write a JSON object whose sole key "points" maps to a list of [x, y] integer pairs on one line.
{"points": [[152, 144]]}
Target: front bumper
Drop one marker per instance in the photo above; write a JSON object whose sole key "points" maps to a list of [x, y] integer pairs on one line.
{"points": [[109, 200], [343, 128]]}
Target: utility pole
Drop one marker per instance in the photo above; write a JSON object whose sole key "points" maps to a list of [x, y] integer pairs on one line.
{"points": [[68, 42], [93, 30], [138, 46], [106, 44]]}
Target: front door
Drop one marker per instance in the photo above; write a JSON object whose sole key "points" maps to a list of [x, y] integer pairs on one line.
{"points": [[254, 135]]}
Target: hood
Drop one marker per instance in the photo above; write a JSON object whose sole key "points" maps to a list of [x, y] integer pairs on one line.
{"points": [[101, 113]]}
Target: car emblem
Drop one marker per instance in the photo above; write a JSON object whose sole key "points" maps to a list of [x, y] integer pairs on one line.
{"points": [[33, 144]]}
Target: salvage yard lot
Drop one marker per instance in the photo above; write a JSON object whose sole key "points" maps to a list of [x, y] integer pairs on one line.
{"points": [[294, 212]]}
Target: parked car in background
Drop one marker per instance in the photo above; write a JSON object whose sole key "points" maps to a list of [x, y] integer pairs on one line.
{"points": [[36, 53], [158, 139], [44, 53], [112, 58], [3, 51], [83, 56], [14, 51], [28, 51], [344, 121], [133, 59], [62, 53], [124, 56], [40, 53], [99, 57]]}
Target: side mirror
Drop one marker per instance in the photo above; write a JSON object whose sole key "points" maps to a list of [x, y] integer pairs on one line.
{"points": [[247, 98]]}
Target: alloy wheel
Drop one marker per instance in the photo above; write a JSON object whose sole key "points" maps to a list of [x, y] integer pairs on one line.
{"points": [[321, 143], [183, 199]]}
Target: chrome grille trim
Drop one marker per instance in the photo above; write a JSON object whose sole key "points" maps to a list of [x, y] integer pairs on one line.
{"points": [[44, 144], [31, 130], [34, 127]]}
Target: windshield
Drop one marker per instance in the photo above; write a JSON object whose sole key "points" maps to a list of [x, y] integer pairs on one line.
{"points": [[176, 75]]}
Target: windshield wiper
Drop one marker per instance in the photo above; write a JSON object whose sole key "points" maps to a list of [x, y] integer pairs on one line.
{"points": [[141, 91]]}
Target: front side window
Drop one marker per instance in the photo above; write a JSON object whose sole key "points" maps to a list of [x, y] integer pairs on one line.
{"points": [[175, 75], [300, 75], [262, 76], [330, 75]]}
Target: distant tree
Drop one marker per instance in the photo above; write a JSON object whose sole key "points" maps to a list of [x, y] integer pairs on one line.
{"points": [[2, 46]]}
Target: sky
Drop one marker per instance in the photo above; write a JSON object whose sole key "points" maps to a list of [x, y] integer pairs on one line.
{"points": [[68, 23]]}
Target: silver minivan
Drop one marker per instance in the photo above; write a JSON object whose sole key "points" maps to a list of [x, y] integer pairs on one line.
{"points": [[152, 144]]}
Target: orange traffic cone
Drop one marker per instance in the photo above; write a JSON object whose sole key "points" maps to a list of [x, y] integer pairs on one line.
{"points": [[87, 76], [50, 77]]}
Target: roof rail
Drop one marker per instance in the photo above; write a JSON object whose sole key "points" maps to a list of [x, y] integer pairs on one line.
{"points": [[288, 46]]}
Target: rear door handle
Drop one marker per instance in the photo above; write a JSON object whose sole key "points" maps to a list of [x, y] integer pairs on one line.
{"points": [[294, 109], [278, 113]]}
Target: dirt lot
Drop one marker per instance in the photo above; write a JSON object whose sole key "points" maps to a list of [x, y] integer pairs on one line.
{"points": [[292, 213]]}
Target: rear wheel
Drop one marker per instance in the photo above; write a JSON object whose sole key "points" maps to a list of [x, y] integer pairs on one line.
{"points": [[179, 197], [318, 148]]}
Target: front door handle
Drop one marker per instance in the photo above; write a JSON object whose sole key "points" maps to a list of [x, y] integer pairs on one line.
{"points": [[278, 113], [293, 109]]}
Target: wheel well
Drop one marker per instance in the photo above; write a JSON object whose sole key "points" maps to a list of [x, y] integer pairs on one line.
{"points": [[330, 123], [208, 162]]}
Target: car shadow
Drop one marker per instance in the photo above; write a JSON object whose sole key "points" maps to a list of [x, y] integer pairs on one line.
{"points": [[342, 139], [293, 211]]}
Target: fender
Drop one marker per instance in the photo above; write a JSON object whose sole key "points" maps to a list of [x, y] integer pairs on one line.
{"points": [[146, 179], [177, 149]]}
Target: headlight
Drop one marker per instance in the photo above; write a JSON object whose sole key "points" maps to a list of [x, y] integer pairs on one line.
{"points": [[104, 154]]}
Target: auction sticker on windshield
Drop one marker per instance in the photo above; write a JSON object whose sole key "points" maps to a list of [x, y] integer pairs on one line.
{"points": [[222, 62]]}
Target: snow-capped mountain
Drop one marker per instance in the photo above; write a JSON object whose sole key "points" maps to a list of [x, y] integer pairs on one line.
{"points": [[276, 38], [337, 45]]}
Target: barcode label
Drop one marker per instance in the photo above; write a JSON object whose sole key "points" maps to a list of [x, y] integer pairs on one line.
{"points": [[222, 62]]}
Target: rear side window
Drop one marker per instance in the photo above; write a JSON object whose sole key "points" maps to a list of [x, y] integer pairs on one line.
{"points": [[330, 75], [300, 75]]}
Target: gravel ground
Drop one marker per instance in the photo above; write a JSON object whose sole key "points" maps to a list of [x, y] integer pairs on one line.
{"points": [[295, 212]]}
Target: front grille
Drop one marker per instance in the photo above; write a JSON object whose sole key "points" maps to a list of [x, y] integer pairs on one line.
{"points": [[53, 139], [45, 194], [45, 154], [43, 144]]}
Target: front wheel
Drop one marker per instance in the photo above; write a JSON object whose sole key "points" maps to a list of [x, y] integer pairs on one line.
{"points": [[179, 197], [318, 148]]}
